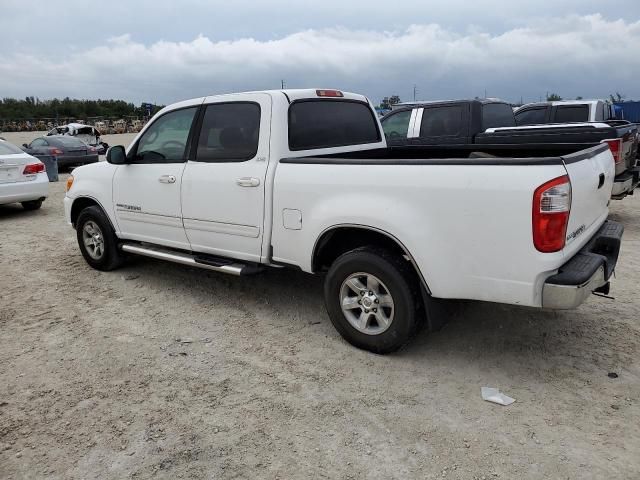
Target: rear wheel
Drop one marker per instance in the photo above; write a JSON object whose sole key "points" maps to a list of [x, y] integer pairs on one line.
{"points": [[32, 205], [97, 240], [371, 297]]}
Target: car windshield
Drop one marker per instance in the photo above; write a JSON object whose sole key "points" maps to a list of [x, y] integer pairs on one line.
{"points": [[68, 141], [7, 148]]}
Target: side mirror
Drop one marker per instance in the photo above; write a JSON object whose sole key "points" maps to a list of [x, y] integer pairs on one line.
{"points": [[25, 145], [116, 155]]}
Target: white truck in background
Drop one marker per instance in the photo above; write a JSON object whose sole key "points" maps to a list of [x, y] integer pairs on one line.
{"points": [[303, 179], [565, 111]]}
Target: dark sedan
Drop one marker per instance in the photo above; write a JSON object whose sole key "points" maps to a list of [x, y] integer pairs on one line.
{"points": [[69, 151]]}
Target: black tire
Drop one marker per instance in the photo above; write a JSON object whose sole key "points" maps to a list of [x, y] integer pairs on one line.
{"points": [[111, 257], [398, 279], [32, 204]]}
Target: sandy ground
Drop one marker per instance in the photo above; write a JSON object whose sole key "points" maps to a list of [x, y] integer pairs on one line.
{"points": [[160, 371]]}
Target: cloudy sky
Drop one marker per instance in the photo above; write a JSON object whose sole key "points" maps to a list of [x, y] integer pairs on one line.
{"points": [[162, 51]]}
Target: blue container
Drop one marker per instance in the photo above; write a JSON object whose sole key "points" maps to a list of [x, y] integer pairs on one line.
{"points": [[51, 164], [630, 110]]}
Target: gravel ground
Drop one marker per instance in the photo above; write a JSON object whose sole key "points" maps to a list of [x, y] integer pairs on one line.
{"points": [[160, 371]]}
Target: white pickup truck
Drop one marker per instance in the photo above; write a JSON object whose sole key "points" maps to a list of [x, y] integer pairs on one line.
{"points": [[303, 178]]}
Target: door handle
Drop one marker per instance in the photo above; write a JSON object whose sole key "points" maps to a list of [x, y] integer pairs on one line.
{"points": [[248, 182], [167, 179]]}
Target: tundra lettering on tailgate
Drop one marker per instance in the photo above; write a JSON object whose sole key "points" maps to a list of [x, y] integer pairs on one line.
{"points": [[578, 231]]}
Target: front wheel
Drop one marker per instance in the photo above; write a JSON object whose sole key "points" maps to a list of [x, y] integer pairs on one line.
{"points": [[97, 240], [370, 295]]}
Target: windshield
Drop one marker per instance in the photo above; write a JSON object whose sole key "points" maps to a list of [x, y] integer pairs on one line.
{"points": [[7, 148]]}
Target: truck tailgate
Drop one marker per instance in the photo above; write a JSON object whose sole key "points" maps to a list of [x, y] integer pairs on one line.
{"points": [[591, 173]]}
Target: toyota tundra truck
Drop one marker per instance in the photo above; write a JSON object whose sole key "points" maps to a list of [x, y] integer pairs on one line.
{"points": [[303, 179]]}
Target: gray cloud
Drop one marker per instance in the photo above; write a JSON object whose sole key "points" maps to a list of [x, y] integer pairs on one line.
{"points": [[586, 55]]}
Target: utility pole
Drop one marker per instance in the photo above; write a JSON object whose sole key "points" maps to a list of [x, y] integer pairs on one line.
{"points": [[282, 84], [415, 90]]}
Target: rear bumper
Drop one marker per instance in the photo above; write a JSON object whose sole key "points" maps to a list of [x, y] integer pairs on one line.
{"points": [[625, 183], [25, 191], [587, 271], [79, 160]]}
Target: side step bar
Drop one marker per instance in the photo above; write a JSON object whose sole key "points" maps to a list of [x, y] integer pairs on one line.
{"points": [[216, 264]]}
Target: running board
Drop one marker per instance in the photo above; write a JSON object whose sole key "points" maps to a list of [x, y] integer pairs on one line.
{"points": [[217, 264]]}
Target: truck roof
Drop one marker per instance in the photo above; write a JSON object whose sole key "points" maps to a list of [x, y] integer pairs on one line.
{"points": [[290, 94], [417, 103], [563, 102]]}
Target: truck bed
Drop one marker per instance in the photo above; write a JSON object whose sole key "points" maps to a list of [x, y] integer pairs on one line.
{"points": [[449, 211]]}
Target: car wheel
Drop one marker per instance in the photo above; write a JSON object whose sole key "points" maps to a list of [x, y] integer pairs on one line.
{"points": [[97, 240], [371, 296], [32, 205]]}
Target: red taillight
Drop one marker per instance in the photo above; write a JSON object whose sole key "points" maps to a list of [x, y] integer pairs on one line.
{"points": [[33, 168], [615, 146], [329, 93], [551, 207], [55, 151]]}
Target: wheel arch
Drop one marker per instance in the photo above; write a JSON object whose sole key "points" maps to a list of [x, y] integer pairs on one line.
{"points": [[80, 203], [338, 239]]}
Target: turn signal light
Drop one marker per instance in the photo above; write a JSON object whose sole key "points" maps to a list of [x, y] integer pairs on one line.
{"points": [[69, 183], [33, 168], [551, 207]]}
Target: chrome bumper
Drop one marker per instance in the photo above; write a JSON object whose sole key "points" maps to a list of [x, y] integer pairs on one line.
{"points": [[625, 183], [589, 270]]}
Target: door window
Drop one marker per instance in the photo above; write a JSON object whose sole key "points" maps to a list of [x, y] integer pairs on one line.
{"points": [[165, 141], [441, 121], [229, 133], [38, 142], [532, 116], [396, 125]]}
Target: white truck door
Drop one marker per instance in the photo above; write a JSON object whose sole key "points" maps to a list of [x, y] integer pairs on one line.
{"points": [[146, 192], [223, 187]]}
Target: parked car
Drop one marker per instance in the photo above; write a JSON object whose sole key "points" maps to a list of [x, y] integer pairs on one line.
{"points": [[465, 127], [88, 134], [565, 111], [303, 179], [23, 178], [69, 151]]}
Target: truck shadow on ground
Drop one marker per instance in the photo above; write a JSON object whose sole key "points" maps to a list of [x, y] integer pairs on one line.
{"points": [[485, 334]]}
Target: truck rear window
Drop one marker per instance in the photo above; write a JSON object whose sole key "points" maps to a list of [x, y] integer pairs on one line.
{"points": [[317, 124], [495, 115], [574, 113]]}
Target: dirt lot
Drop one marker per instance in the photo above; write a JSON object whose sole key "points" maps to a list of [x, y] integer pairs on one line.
{"points": [[158, 371]]}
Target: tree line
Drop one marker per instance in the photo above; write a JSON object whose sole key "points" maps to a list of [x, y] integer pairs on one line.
{"points": [[31, 108]]}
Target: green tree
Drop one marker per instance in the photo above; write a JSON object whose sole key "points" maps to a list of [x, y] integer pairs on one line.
{"points": [[554, 97]]}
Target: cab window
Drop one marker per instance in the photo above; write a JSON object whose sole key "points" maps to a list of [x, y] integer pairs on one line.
{"points": [[532, 116], [496, 115], [396, 125], [165, 141], [229, 133], [568, 114], [441, 121]]}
